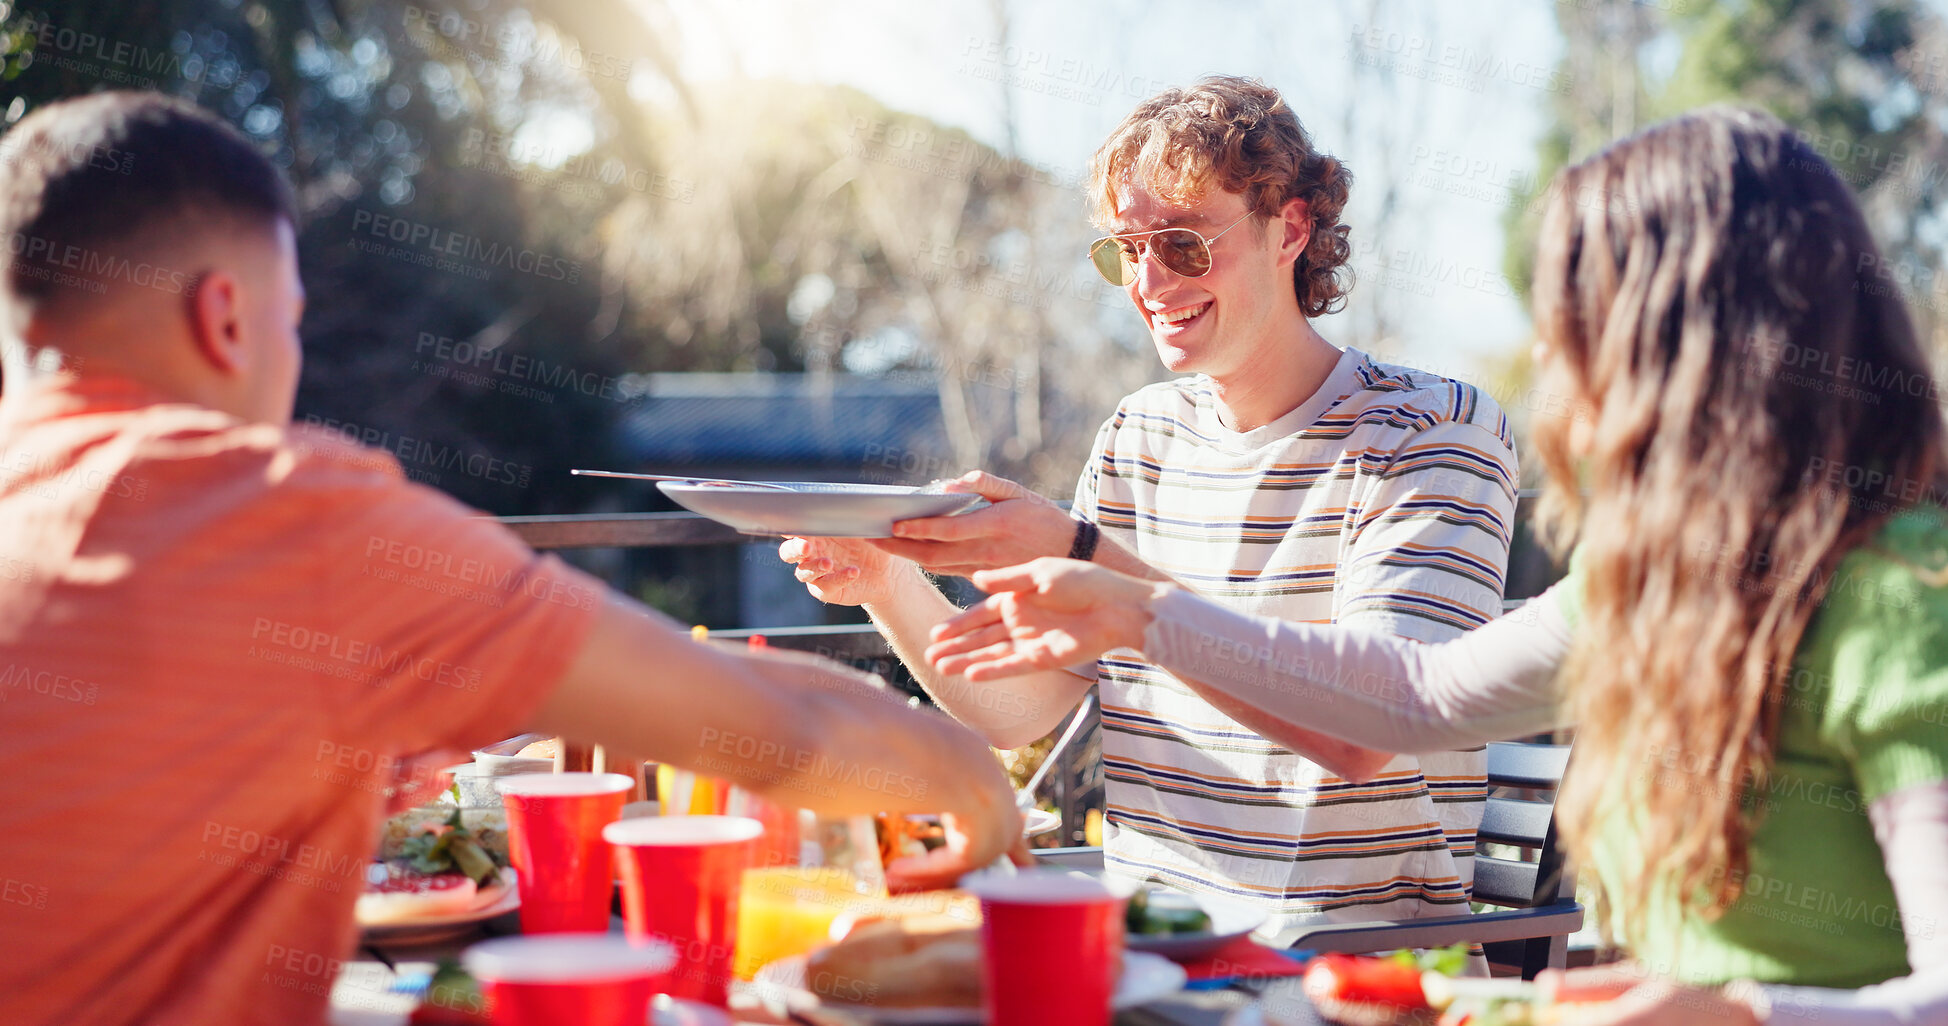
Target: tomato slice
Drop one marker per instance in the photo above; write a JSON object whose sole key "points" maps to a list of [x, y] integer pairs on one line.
{"points": [[416, 883], [1367, 981]]}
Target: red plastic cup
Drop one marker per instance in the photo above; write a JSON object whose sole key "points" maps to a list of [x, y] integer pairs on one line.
{"points": [[680, 880], [1051, 942], [572, 978], [554, 839]]}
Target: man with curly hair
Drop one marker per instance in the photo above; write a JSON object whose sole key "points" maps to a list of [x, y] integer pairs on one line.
{"points": [[1281, 475]]}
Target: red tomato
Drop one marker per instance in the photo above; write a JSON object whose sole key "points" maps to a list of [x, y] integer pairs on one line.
{"points": [[1367, 981]]}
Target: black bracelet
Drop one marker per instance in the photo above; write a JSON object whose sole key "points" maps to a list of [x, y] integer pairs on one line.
{"points": [[1087, 535]]}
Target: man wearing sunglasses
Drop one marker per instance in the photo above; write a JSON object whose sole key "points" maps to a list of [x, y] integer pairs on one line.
{"points": [[1279, 474]]}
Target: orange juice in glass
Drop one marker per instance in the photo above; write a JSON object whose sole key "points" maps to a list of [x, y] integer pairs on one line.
{"points": [[683, 793], [788, 910]]}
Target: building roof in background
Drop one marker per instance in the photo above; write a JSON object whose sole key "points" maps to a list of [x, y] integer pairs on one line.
{"points": [[854, 424]]}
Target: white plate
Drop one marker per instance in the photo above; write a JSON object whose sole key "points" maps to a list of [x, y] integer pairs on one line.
{"points": [[498, 899], [782, 985], [1229, 921], [1038, 821], [812, 509]]}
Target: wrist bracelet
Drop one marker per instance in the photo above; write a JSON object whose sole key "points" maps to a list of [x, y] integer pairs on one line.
{"points": [[1087, 534]]}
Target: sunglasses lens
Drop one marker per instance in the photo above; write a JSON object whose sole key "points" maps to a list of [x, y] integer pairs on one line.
{"points": [[1115, 260], [1182, 251]]}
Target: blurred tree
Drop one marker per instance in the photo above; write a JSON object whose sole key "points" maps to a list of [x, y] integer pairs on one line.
{"points": [[846, 236], [409, 250], [1383, 122], [1866, 85], [513, 208]]}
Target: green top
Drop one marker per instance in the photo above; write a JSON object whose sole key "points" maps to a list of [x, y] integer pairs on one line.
{"points": [[1866, 714]]}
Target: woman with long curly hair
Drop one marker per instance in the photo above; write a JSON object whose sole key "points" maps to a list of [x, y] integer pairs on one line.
{"points": [[1752, 640]]}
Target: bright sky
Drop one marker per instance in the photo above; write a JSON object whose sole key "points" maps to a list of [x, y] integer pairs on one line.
{"points": [[1443, 100]]}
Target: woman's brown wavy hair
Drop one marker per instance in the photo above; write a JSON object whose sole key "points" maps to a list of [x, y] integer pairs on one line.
{"points": [[1761, 407], [1239, 134]]}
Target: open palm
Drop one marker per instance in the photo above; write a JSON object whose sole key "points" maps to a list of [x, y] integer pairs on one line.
{"points": [[1042, 615]]}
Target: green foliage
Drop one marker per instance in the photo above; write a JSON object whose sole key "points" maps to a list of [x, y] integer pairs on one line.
{"points": [[1862, 82], [369, 107], [673, 597], [514, 208], [1828, 67]]}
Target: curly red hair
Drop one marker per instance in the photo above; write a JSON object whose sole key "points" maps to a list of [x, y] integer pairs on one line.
{"points": [[1238, 134]]}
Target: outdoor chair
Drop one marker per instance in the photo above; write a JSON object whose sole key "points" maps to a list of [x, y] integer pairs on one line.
{"points": [[1537, 904]]}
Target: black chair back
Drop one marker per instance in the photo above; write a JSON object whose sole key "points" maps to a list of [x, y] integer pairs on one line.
{"points": [[1524, 822], [1527, 822]]}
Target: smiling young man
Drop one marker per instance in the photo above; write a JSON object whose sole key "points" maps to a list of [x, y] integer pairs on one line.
{"points": [[1280, 475]]}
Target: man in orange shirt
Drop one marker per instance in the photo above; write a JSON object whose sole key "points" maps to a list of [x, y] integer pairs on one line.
{"points": [[220, 633]]}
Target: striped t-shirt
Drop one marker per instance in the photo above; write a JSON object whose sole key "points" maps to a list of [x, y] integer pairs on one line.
{"points": [[1385, 500]]}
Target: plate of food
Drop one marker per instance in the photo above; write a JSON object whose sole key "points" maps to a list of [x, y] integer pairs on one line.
{"points": [[416, 914], [920, 970], [813, 509], [1405, 988], [1183, 926], [440, 873]]}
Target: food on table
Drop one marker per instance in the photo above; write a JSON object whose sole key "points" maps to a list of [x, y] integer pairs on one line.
{"points": [[917, 854], [1355, 990], [452, 847], [925, 960], [401, 895], [486, 827], [902, 836], [1477, 1002], [432, 868], [1411, 987], [1173, 914], [452, 999], [919, 950]]}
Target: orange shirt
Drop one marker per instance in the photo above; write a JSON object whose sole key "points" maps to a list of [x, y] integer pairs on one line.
{"points": [[216, 641]]}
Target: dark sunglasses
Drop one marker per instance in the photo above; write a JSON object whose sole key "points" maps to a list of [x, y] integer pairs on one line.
{"points": [[1181, 250]]}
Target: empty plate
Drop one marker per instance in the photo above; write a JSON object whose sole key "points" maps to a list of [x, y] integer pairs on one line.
{"points": [[813, 509]]}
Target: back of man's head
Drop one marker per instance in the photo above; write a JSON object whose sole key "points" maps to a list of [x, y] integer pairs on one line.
{"points": [[1238, 135], [94, 190]]}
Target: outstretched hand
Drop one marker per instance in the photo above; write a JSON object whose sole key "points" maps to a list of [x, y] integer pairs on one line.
{"points": [[1019, 526], [841, 571], [1042, 615]]}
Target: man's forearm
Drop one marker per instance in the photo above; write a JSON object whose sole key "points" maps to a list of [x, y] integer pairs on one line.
{"points": [[882, 756], [803, 730], [1009, 713], [1118, 557], [1345, 760]]}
